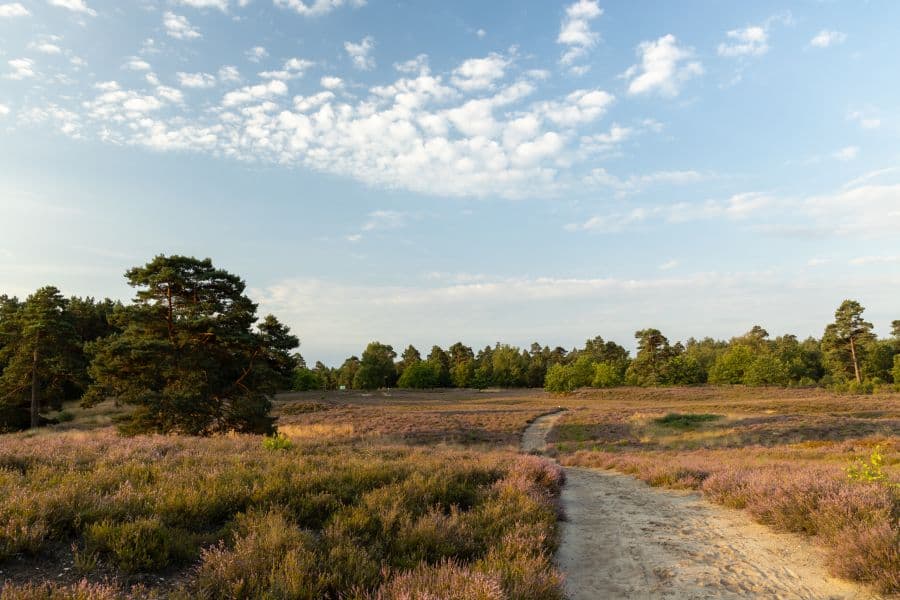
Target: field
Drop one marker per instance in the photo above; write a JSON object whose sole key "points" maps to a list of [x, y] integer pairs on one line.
{"points": [[384, 494]]}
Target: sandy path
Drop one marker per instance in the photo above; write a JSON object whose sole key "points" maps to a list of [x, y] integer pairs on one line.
{"points": [[624, 539]]}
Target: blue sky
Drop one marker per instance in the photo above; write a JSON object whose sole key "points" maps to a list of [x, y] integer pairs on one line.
{"points": [[429, 172]]}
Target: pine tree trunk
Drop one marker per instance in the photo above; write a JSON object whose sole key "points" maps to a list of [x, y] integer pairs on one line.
{"points": [[855, 362], [35, 392]]}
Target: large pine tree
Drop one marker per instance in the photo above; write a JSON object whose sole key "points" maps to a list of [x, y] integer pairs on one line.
{"points": [[188, 358]]}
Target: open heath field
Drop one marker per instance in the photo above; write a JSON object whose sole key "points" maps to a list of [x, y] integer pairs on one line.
{"points": [[401, 494]]}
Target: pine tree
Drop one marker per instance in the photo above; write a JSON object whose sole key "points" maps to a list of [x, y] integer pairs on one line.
{"points": [[40, 355], [187, 357], [845, 340]]}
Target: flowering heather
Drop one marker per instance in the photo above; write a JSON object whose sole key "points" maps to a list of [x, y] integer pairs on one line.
{"points": [[225, 517]]}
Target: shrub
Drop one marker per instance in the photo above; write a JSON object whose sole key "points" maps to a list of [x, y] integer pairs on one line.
{"points": [[606, 375], [420, 375], [141, 545], [682, 421], [279, 441], [446, 580]]}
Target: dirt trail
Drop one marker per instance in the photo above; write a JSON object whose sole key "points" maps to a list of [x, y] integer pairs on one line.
{"points": [[624, 539]]}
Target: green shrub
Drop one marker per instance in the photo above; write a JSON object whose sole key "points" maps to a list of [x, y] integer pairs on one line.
{"points": [[606, 375], [278, 441], [141, 545], [685, 421]]}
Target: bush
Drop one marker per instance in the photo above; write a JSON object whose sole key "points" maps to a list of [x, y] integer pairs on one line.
{"points": [[606, 375], [279, 441], [682, 421], [141, 545], [420, 375]]}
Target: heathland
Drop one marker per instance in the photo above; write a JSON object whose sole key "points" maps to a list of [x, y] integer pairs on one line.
{"points": [[390, 494]]}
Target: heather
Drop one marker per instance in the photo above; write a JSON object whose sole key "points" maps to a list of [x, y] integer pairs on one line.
{"points": [[232, 517], [806, 462]]}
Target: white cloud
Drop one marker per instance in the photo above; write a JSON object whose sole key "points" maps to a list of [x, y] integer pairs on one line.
{"points": [[575, 31], [578, 108], [479, 73], [263, 91], [45, 48], [826, 38], [847, 153], [481, 33], [668, 265], [418, 64], [293, 68], [22, 68], [74, 5], [219, 4], [749, 41], [664, 67], [638, 183], [256, 54], [359, 53], [229, 74], [13, 9], [136, 64], [331, 83], [865, 121], [4, 110], [316, 8], [179, 27], [196, 80]]}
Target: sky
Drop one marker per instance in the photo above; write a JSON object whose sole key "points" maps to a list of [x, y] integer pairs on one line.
{"points": [[426, 172]]}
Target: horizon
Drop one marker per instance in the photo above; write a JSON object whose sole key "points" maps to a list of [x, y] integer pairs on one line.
{"points": [[506, 172]]}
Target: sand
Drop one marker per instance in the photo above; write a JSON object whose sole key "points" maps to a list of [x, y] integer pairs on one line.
{"points": [[624, 539]]}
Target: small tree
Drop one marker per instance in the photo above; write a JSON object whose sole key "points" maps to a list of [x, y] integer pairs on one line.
{"points": [[41, 354], [845, 340], [606, 375]]}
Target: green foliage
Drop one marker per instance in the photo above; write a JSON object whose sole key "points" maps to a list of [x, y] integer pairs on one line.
{"points": [[606, 375], [277, 441], [144, 544], [654, 352], [376, 368], [40, 357], [686, 421], [766, 369], [187, 357], [731, 365], [566, 378], [871, 470], [420, 375], [305, 380], [846, 341], [683, 369]]}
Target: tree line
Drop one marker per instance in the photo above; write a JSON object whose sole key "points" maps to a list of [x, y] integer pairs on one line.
{"points": [[188, 355], [847, 357]]}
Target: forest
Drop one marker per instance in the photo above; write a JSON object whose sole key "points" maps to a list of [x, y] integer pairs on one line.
{"points": [[189, 354]]}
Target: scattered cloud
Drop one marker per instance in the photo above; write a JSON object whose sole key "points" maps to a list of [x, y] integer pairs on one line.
{"points": [[847, 153], [256, 54], [331, 83], [317, 8], [196, 80], [179, 27], [480, 73], [13, 9], [865, 121], [77, 6], [4, 110], [293, 68], [599, 177], [251, 93], [749, 41], [359, 53], [575, 31], [663, 69], [136, 64], [45, 48], [826, 38], [669, 265], [229, 74], [219, 4], [22, 68], [481, 33], [385, 219]]}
